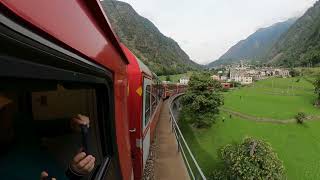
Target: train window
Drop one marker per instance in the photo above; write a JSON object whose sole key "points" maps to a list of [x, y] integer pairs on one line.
{"points": [[154, 100], [37, 132], [41, 89], [147, 104]]}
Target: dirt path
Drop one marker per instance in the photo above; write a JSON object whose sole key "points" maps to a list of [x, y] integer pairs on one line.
{"points": [[169, 164], [267, 120]]}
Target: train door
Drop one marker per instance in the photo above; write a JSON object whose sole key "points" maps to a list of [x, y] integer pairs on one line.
{"points": [[146, 118]]}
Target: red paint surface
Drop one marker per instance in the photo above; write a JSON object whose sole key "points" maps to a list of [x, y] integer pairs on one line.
{"points": [[135, 112]]}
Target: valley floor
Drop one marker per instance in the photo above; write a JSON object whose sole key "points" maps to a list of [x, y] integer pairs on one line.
{"points": [[298, 146]]}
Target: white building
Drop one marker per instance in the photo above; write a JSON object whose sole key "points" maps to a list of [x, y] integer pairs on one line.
{"points": [[240, 76], [215, 77], [223, 78], [184, 80]]}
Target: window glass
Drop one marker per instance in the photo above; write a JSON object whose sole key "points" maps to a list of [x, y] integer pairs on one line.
{"points": [[147, 104], [154, 100], [38, 134]]}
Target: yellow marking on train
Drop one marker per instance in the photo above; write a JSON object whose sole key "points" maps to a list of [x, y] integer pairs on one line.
{"points": [[139, 91]]}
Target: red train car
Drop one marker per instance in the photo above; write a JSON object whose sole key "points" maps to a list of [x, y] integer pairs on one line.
{"points": [[61, 58], [171, 89], [57, 59], [144, 104]]}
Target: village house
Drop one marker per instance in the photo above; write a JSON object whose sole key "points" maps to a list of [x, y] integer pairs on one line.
{"points": [[226, 85], [223, 78], [281, 72], [246, 74], [215, 77], [240, 76], [184, 80]]}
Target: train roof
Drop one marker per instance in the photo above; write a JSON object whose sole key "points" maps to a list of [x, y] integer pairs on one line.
{"points": [[135, 62], [143, 67], [85, 31]]}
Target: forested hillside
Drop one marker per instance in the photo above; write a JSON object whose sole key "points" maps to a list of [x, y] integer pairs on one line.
{"points": [[256, 46], [300, 46], [162, 54]]}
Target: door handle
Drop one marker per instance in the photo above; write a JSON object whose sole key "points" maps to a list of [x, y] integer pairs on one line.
{"points": [[132, 130]]}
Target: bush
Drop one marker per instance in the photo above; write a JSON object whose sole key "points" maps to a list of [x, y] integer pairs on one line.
{"points": [[168, 78], [236, 84], [294, 72], [251, 159], [202, 100], [301, 117]]}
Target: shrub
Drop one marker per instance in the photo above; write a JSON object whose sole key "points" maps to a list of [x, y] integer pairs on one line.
{"points": [[301, 117], [294, 72], [236, 84], [251, 159], [168, 78]]}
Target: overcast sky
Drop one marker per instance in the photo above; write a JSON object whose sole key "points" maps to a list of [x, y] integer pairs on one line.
{"points": [[206, 29]]}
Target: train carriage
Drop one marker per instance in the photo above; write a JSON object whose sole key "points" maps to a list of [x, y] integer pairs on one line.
{"points": [[144, 104], [61, 58]]}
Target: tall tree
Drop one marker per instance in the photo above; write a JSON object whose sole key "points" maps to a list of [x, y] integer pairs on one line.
{"points": [[202, 100]]}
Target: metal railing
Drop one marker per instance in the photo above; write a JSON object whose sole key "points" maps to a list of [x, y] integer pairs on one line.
{"points": [[193, 167]]}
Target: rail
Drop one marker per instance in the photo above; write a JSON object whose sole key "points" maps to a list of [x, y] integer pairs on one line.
{"points": [[193, 167]]}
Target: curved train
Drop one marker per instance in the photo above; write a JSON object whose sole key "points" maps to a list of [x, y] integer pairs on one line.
{"points": [[61, 58]]}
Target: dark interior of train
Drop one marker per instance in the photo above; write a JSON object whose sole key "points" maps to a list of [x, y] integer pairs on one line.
{"points": [[35, 131]]}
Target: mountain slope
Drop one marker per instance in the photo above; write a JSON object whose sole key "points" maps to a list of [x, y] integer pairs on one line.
{"points": [[301, 44], [256, 46], [162, 54]]}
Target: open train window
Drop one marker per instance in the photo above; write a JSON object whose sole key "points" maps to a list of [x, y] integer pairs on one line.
{"points": [[36, 132], [42, 86], [35, 117]]}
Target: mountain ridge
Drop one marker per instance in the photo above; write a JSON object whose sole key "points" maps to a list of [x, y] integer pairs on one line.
{"points": [[162, 54], [300, 45], [256, 46]]}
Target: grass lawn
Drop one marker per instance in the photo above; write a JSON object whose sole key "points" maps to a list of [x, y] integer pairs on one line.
{"points": [[298, 146], [277, 98]]}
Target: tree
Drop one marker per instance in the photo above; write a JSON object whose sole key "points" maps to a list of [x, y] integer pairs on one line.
{"points": [[202, 100], [236, 84], [311, 58], [301, 117], [251, 159], [317, 91], [168, 78], [294, 72]]}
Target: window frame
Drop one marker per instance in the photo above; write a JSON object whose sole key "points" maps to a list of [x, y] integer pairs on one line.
{"points": [[69, 70], [146, 83]]}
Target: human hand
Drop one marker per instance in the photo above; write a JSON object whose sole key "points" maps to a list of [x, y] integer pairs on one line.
{"points": [[44, 176], [79, 120], [82, 163]]}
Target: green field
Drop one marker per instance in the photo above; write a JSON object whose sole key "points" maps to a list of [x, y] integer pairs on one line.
{"points": [[298, 146], [277, 98]]}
